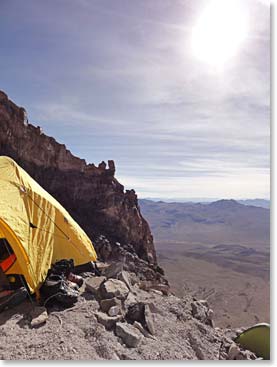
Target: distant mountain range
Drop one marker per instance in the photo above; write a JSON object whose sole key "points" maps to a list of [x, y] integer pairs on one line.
{"points": [[219, 222], [264, 203]]}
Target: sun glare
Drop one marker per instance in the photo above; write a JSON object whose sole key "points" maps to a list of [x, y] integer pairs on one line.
{"points": [[219, 32]]}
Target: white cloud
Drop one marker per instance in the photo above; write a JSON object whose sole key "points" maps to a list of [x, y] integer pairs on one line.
{"points": [[122, 83], [238, 185]]}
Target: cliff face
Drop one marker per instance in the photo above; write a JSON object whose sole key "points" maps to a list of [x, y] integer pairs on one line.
{"points": [[91, 194]]}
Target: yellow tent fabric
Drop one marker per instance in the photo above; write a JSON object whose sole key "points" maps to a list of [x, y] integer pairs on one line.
{"points": [[256, 339], [37, 227]]}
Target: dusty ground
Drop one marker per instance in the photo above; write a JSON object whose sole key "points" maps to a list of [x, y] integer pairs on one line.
{"points": [[75, 333], [237, 298]]}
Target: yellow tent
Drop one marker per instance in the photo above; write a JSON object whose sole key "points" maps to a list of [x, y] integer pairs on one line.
{"points": [[37, 228]]}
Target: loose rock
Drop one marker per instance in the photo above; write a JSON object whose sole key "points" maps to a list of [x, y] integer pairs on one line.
{"points": [[114, 288], [130, 300], [108, 321], [102, 266], [114, 311], [129, 334], [138, 326], [162, 288], [199, 311], [39, 316], [113, 270], [156, 292], [204, 302], [246, 355], [136, 312], [93, 284], [210, 314], [106, 304], [149, 320], [147, 285], [234, 351], [124, 277]]}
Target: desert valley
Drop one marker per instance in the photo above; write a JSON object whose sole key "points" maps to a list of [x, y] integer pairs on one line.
{"points": [[217, 251]]}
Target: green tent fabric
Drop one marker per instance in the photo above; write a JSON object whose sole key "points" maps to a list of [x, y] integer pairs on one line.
{"points": [[256, 339]]}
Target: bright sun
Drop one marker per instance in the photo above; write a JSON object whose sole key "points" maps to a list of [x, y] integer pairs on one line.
{"points": [[219, 32]]}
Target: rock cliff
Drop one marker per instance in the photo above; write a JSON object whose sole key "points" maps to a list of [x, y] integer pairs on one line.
{"points": [[92, 194]]}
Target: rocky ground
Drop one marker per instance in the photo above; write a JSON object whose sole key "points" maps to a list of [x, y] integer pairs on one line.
{"points": [[117, 317]]}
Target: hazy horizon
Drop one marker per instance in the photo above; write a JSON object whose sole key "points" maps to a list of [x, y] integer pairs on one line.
{"points": [[205, 199]]}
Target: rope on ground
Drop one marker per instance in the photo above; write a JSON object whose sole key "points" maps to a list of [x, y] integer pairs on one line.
{"points": [[53, 295], [59, 318]]}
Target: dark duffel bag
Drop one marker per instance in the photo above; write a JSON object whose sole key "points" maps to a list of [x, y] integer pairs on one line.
{"points": [[13, 298], [89, 267]]}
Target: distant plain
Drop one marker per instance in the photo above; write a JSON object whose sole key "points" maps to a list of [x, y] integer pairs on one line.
{"points": [[218, 251]]}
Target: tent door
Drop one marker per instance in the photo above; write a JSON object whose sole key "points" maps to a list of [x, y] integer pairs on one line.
{"points": [[7, 256]]}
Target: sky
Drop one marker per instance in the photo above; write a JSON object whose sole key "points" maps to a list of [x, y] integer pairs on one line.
{"points": [[121, 80]]}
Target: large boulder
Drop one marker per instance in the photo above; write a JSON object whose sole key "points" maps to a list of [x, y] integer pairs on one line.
{"points": [[199, 311], [135, 312], [234, 351], [147, 285], [202, 312], [130, 335], [106, 304], [130, 300], [93, 284], [149, 319], [114, 288], [113, 270], [108, 321], [124, 277], [138, 326]]}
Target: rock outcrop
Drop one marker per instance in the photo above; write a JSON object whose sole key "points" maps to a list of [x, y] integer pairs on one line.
{"points": [[91, 194]]}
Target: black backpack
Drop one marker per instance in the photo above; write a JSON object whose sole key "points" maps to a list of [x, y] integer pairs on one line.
{"points": [[63, 267], [56, 289]]}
